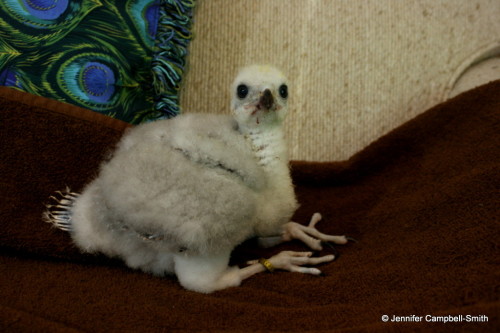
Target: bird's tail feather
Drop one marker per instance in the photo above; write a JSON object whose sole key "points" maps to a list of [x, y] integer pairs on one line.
{"points": [[58, 211]]}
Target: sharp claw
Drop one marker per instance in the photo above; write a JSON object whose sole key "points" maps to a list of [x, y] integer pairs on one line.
{"points": [[334, 250], [351, 239]]}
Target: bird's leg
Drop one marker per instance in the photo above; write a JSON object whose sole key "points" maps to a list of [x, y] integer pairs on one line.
{"points": [[208, 273], [290, 261], [294, 261], [309, 234]]}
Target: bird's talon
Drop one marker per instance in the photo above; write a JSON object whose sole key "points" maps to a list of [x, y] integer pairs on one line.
{"points": [[332, 248], [350, 239]]}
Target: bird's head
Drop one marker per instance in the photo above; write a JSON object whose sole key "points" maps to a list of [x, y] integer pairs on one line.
{"points": [[259, 97]]}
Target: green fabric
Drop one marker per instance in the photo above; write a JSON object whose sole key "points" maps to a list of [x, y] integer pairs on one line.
{"points": [[110, 56]]}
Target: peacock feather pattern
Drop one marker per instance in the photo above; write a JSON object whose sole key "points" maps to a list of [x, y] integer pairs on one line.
{"points": [[122, 58]]}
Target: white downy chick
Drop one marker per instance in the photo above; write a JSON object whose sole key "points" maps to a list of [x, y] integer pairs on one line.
{"points": [[179, 195]]}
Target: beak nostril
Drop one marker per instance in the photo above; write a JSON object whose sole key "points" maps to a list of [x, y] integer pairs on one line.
{"points": [[266, 100]]}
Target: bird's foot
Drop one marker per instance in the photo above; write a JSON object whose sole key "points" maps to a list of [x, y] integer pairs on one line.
{"points": [[310, 235], [294, 261]]}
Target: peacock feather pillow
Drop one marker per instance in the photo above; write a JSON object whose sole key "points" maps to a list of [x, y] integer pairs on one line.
{"points": [[122, 58]]}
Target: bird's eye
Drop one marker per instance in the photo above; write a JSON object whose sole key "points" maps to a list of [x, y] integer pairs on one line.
{"points": [[242, 91], [283, 91]]}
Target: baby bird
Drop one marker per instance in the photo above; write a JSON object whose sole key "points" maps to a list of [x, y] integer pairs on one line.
{"points": [[179, 195]]}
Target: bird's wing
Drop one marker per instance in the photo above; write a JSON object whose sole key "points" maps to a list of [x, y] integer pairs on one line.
{"points": [[192, 179], [212, 141]]}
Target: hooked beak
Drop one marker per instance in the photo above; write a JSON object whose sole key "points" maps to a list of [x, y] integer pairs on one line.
{"points": [[266, 100]]}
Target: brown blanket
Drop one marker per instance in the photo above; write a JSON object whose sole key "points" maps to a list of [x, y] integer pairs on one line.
{"points": [[423, 203]]}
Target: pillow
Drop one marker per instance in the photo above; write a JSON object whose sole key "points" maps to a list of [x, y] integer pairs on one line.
{"points": [[124, 59]]}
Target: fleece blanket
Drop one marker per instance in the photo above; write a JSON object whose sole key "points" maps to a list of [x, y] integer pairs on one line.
{"points": [[422, 201]]}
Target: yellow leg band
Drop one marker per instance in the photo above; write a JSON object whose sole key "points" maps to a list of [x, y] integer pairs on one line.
{"points": [[267, 264]]}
